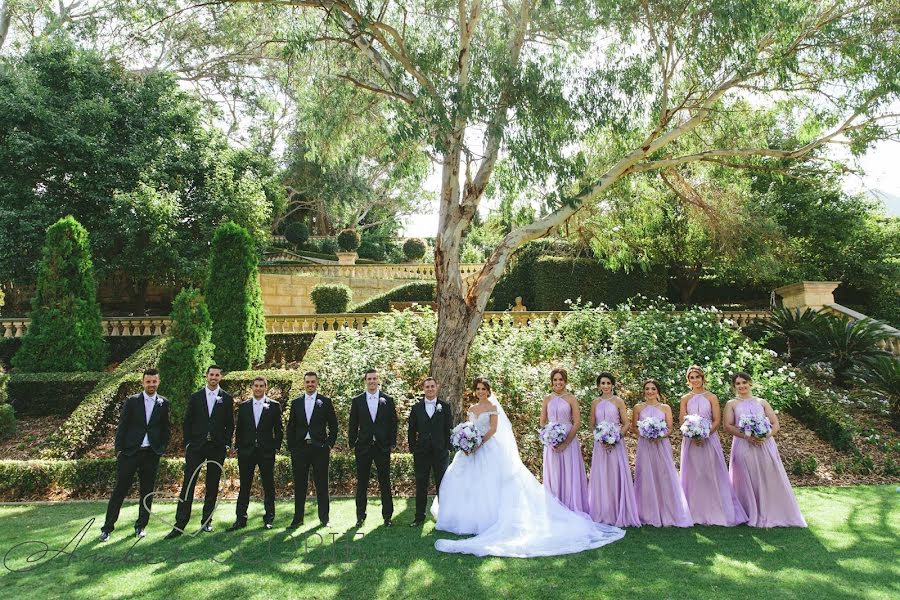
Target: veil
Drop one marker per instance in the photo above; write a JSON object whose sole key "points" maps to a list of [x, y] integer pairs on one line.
{"points": [[505, 438]]}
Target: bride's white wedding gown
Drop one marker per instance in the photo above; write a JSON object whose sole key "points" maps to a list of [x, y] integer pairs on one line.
{"points": [[492, 494]]}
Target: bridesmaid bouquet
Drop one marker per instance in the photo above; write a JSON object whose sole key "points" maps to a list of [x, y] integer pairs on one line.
{"points": [[652, 428], [465, 437], [695, 427], [757, 426], [552, 434], [607, 434]]}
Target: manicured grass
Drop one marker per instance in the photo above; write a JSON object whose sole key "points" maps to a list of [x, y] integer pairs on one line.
{"points": [[851, 550]]}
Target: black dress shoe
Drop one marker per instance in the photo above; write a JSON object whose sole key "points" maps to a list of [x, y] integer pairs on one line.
{"points": [[417, 523], [238, 525], [173, 534], [360, 522], [208, 528], [139, 533], [295, 524], [388, 523]]}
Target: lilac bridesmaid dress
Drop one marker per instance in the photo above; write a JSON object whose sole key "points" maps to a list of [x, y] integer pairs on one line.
{"points": [[660, 499], [564, 475], [759, 480], [704, 477], [611, 492]]}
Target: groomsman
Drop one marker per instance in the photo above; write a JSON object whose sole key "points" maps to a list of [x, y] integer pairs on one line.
{"points": [[372, 435], [428, 434], [141, 438], [208, 430], [259, 434], [312, 431]]}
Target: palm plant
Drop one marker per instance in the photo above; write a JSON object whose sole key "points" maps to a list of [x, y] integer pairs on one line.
{"points": [[849, 347], [790, 326], [885, 374]]}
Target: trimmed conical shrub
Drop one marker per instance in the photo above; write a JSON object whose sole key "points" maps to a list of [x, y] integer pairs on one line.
{"points": [[189, 351], [65, 331], [235, 299]]}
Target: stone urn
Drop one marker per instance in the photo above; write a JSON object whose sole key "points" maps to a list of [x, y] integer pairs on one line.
{"points": [[347, 258]]}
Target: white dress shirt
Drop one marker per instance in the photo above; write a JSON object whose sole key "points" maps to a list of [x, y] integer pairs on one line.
{"points": [[430, 406], [211, 396], [148, 410], [257, 409], [372, 401], [310, 402]]}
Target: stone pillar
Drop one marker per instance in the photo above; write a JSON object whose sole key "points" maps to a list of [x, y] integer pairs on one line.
{"points": [[808, 294]]}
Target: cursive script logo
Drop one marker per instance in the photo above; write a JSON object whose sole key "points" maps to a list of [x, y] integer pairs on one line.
{"points": [[193, 481]]}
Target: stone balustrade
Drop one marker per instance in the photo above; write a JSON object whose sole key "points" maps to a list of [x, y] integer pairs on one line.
{"points": [[406, 271]]}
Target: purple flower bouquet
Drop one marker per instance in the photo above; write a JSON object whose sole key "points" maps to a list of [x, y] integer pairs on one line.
{"points": [[465, 437], [552, 434], [757, 426], [695, 427], [607, 434], [652, 428]]}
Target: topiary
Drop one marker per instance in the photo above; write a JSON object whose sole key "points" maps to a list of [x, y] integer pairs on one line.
{"points": [[65, 331], [189, 351], [331, 298], [348, 240], [414, 249], [297, 233], [234, 299]]}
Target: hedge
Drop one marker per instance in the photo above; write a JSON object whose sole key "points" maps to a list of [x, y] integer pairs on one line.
{"points": [[411, 292], [99, 407], [331, 298], [7, 420], [824, 416], [8, 348], [94, 478], [39, 394], [557, 279]]}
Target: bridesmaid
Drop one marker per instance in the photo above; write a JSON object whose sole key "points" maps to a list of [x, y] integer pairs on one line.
{"points": [[611, 490], [660, 499], [704, 478], [564, 475], [758, 477]]}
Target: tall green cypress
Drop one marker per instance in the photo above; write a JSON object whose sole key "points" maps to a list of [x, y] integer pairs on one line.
{"points": [[65, 331], [189, 351], [234, 298]]}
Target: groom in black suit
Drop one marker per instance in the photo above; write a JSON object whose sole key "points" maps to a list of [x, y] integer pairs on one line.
{"points": [[372, 435], [258, 435], [428, 434], [208, 431], [312, 431], [141, 438]]}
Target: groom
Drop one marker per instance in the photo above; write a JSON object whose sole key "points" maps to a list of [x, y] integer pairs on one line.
{"points": [[372, 435], [428, 434]]}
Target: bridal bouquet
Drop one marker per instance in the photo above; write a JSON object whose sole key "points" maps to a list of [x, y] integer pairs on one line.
{"points": [[695, 427], [552, 434], [607, 434], [757, 426], [652, 428], [465, 437]]}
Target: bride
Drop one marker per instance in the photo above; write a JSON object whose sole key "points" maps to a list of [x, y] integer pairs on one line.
{"points": [[491, 494]]}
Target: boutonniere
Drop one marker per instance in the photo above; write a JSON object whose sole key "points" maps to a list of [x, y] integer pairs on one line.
{"points": [[437, 407], [265, 405], [382, 400], [159, 402], [318, 402], [218, 399]]}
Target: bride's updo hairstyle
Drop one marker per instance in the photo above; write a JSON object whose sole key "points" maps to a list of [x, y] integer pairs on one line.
{"points": [[483, 381]]}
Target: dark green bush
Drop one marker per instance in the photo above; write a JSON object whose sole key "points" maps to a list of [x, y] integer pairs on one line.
{"points": [[234, 299], [371, 251], [7, 421], [331, 298], [65, 332], [557, 279], [414, 249], [8, 348], [296, 233], [39, 394], [348, 240], [418, 291], [188, 353], [287, 347], [824, 416], [328, 246]]}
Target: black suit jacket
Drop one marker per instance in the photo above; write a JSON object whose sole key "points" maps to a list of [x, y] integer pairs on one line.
{"points": [[198, 422], [133, 425], [266, 438], [322, 426], [432, 434], [364, 433]]}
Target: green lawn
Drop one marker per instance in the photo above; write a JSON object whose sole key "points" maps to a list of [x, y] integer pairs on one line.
{"points": [[851, 550]]}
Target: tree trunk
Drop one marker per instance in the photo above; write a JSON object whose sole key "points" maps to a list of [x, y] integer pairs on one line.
{"points": [[457, 326], [687, 278], [139, 297]]}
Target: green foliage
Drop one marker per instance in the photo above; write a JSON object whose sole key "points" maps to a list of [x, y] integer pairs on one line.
{"points": [[284, 348], [414, 249], [329, 246], [99, 408], [331, 298], [189, 351], [821, 412], [372, 251], [417, 291], [297, 233], [7, 421], [848, 347], [790, 327], [234, 298], [558, 281], [348, 240], [884, 373], [40, 394], [65, 331]]}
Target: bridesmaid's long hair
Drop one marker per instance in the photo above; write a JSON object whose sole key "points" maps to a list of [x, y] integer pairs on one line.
{"points": [[659, 389], [609, 376]]}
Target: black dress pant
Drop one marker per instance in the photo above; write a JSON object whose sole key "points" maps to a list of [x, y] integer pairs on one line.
{"points": [[424, 464], [247, 464], [193, 459], [144, 462], [302, 459], [364, 459]]}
